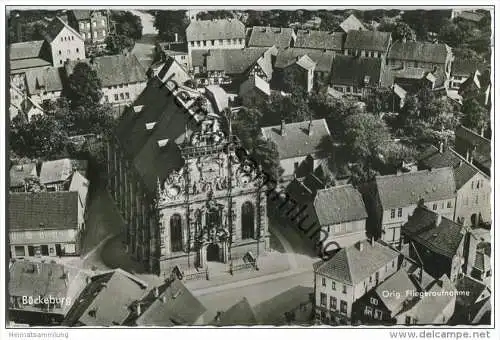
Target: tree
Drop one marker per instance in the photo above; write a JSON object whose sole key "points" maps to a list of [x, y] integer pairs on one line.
{"points": [[42, 137], [168, 23], [475, 116], [403, 32], [127, 24], [451, 34], [84, 88], [246, 125], [265, 153], [379, 100], [364, 136], [118, 43]]}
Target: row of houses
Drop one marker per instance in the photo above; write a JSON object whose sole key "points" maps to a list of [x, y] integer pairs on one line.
{"points": [[39, 70], [47, 208]]}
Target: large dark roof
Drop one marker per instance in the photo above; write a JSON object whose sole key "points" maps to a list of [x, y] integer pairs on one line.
{"points": [[113, 70], [351, 265], [262, 36], [240, 314], [340, 204], [443, 239], [419, 51], [323, 60], [25, 50], [154, 104], [320, 40], [396, 191], [215, 29], [234, 61], [353, 71], [296, 141], [176, 305], [367, 40], [43, 210], [475, 289]]}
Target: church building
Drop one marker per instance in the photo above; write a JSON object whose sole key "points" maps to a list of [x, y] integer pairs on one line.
{"points": [[183, 184]]}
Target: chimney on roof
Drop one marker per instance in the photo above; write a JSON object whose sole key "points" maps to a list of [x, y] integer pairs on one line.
{"points": [[176, 37], [441, 146], [438, 219], [372, 241], [282, 131], [156, 292]]}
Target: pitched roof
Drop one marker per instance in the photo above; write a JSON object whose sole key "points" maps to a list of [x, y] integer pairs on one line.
{"points": [[240, 314], [55, 27], [114, 69], [340, 204], [306, 63], [396, 191], [43, 79], [19, 172], [356, 71], [262, 36], [172, 70], [475, 289], [25, 50], [21, 65], [482, 261], [320, 40], [56, 171], [233, 61], [43, 210], [154, 104], [432, 304], [352, 23], [175, 306], [367, 40], [419, 51], [443, 239], [215, 29], [351, 265], [323, 60], [296, 141], [463, 171], [399, 282], [107, 300]]}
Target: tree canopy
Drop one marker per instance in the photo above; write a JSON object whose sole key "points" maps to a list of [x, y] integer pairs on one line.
{"points": [[118, 43], [127, 24], [84, 86]]}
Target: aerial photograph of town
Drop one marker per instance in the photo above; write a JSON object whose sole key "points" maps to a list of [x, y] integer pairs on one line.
{"points": [[216, 167]]}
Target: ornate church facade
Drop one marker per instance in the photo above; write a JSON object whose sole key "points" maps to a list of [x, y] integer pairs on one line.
{"points": [[205, 202]]}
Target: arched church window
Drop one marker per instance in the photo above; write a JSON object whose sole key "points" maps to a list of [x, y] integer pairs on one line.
{"points": [[176, 233], [247, 220]]}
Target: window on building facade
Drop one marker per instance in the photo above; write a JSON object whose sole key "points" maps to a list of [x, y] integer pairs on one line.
{"points": [[377, 314], [204, 43], [408, 320], [323, 282], [333, 285], [400, 212], [368, 311], [333, 302], [373, 301], [19, 250], [343, 306], [82, 25], [116, 96], [220, 41], [60, 52], [344, 289], [87, 25], [106, 99], [434, 206], [122, 96], [393, 213], [127, 95], [94, 23], [176, 233], [322, 299], [448, 205]]}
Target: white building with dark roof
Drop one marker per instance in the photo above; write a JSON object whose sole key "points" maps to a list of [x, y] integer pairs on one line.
{"points": [[214, 34], [351, 23], [370, 44], [349, 275], [264, 36], [300, 144]]}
